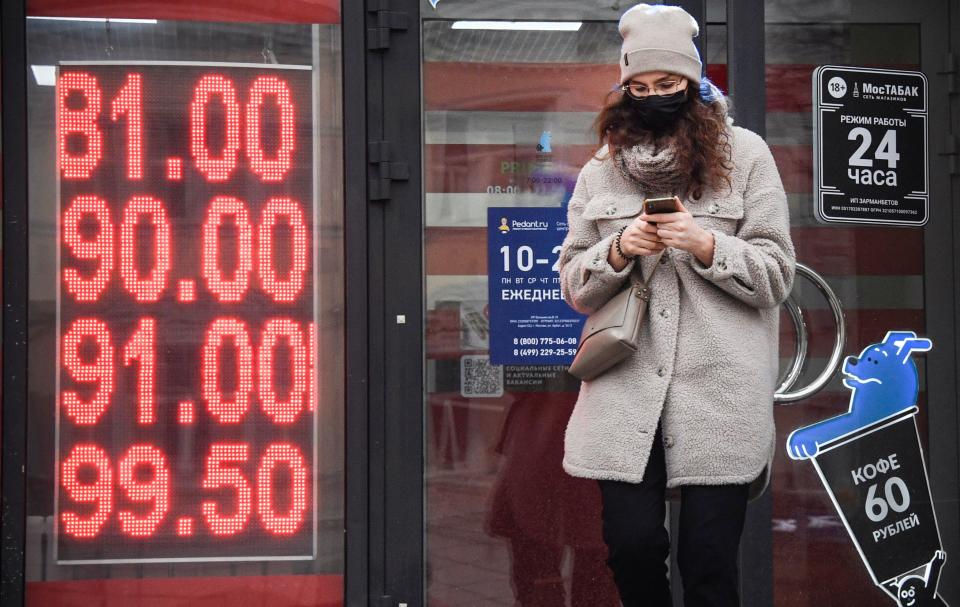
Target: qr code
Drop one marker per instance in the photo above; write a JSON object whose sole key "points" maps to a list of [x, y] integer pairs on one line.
{"points": [[479, 378]]}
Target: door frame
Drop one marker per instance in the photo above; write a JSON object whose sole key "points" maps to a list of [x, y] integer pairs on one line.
{"points": [[391, 206], [403, 417], [746, 74]]}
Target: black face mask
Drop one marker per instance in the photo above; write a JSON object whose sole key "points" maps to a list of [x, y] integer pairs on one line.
{"points": [[660, 112]]}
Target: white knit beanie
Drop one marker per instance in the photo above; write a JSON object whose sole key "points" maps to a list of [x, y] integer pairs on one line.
{"points": [[659, 38]]}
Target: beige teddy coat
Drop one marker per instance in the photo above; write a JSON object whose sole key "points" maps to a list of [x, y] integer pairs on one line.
{"points": [[707, 361]]}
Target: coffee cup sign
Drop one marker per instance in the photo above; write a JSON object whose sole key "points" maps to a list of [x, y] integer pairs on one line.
{"points": [[871, 463]]}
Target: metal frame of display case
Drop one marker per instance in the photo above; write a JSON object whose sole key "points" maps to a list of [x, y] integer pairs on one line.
{"points": [[357, 457], [15, 297]]}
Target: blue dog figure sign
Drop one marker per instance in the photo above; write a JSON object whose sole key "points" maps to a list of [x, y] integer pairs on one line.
{"points": [[870, 461], [884, 382]]}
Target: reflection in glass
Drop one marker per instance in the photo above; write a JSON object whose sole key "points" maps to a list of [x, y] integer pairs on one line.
{"points": [[879, 288], [505, 525], [507, 123]]}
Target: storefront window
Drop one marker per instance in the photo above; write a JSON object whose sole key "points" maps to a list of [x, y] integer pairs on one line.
{"points": [[186, 301], [507, 113]]}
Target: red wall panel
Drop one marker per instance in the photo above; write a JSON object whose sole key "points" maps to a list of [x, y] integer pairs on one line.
{"points": [[282, 11]]}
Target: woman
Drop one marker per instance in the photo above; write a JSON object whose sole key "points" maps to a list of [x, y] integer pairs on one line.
{"points": [[694, 407]]}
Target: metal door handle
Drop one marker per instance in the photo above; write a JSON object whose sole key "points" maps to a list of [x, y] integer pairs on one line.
{"points": [[783, 393]]}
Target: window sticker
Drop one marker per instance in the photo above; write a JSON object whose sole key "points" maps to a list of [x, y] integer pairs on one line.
{"points": [[871, 463], [870, 146]]}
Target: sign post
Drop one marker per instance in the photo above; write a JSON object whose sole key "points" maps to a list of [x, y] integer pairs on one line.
{"points": [[870, 146]]}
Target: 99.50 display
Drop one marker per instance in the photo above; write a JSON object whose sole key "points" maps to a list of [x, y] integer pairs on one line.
{"points": [[186, 337]]}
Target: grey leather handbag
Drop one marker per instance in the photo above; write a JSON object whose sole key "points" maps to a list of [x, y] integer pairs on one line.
{"points": [[612, 332]]}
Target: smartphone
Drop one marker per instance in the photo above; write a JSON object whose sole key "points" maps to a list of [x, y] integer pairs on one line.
{"points": [[659, 205]]}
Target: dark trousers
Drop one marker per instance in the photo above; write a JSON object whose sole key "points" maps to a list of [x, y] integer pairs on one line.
{"points": [[711, 521]]}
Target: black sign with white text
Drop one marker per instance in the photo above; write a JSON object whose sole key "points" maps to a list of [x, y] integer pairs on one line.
{"points": [[878, 482], [870, 146]]}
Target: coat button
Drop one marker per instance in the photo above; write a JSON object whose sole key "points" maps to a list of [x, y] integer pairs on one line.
{"points": [[667, 441], [663, 260], [664, 313], [660, 372], [713, 208], [610, 210], [722, 265]]}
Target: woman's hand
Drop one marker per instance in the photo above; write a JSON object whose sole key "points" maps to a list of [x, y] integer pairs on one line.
{"points": [[680, 231], [638, 238]]}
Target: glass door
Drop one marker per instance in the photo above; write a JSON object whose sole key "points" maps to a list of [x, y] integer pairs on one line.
{"points": [[507, 112], [887, 278], [506, 118]]}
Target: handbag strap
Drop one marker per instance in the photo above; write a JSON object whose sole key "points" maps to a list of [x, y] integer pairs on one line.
{"points": [[644, 286], [656, 262]]}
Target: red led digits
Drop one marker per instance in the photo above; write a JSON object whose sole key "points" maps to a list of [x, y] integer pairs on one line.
{"points": [[312, 352], [283, 290], [275, 169], [182, 325], [283, 411], [289, 522], [129, 103], [184, 526], [219, 473], [227, 289], [100, 248], [99, 492], [150, 288], [142, 348], [227, 411], [86, 412], [78, 122], [155, 491], [175, 169], [186, 291], [186, 414], [215, 169]]}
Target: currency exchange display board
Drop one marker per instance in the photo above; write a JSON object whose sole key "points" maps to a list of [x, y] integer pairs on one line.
{"points": [[186, 352]]}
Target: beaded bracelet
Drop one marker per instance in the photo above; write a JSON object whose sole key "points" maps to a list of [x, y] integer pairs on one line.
{"points": [[619, 250]]}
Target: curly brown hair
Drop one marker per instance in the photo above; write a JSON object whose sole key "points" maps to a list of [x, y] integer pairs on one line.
{"points": [[700, 134]]}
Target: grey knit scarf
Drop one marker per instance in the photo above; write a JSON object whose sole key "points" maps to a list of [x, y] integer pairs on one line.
{"points": [[653, 169]]}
